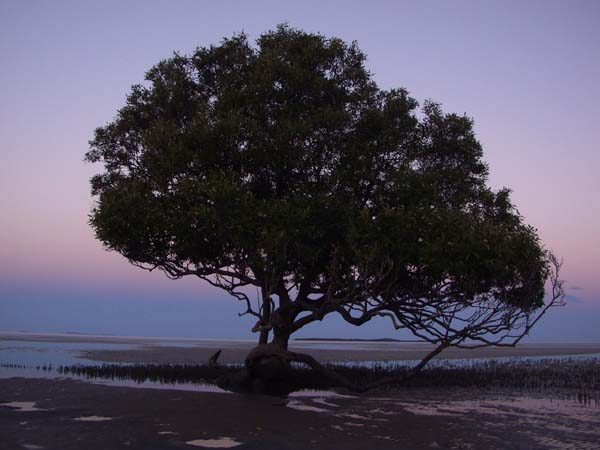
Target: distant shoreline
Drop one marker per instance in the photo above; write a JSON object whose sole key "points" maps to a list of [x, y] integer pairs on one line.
{"points": [[316, 339], [107, 337]]}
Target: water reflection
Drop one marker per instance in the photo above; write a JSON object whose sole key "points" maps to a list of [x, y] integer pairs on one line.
{"points": [[550, 422], [186, 386], [41, 359], [39, 353], [22, 406]]}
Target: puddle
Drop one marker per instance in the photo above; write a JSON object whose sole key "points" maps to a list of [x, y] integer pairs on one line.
{"points": [[560, 423], [354, 416], [518, 406], [322, 394], [295, 404], [386, 438], [40, 353], [322, 401], [23, 406], [92, 419], [553, 423], [318, 397], [190, 387], [222, 442], [421, 410]]}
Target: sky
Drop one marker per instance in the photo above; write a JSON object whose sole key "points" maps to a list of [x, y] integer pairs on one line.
{"points": [[527, 72]]}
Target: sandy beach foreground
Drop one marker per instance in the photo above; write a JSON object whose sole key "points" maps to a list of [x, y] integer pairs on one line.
{"points": [[67, 414]]}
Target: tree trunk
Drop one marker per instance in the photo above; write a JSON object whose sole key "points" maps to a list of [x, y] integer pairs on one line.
{"points": [[270, 361], [264, 337], [268, 370], [281, 337], [268, 364], [266, 318]]}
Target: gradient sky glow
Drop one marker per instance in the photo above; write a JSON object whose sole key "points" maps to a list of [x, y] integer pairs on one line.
{"points": [[527, 72]]}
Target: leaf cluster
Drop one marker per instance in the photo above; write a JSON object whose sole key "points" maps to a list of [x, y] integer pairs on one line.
{"points": [[283, 163]]}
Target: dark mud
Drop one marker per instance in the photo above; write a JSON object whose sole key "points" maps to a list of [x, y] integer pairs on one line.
{"points": [[74, 415]]}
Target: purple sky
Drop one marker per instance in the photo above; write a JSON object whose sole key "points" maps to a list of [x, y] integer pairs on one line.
{"points": [[527, 72]]}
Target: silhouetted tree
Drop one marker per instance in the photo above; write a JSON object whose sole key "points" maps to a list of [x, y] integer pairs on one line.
{"points": [[282, 167]]}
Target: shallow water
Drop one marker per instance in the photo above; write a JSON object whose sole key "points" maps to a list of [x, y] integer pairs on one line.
{"points": [[39, 359], [190, 387], [39, 353], [313, 393], [22, 406], [222, 442], [559, 423], [92, 419]]}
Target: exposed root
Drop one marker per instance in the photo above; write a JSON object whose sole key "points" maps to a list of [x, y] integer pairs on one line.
{"points": [[268, 370], [213, 360], [325, 371]]}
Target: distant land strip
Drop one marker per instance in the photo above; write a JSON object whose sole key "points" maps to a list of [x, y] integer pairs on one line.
{"points": [[357, 340]]}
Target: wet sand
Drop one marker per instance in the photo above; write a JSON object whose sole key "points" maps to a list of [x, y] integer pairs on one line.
{"points": [[75, 415], [197, 351], [375, 352], [69, 414]]}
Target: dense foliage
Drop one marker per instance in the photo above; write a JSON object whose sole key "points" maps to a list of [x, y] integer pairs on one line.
{"points": [[282, 165]]}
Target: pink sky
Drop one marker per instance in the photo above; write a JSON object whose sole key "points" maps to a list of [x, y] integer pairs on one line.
{"points": [[527, 72]]}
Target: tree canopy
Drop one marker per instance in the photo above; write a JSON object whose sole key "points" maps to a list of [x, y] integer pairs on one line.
{"points": [[281, 165]]}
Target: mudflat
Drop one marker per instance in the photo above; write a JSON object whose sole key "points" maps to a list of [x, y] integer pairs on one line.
{"points": [[64, 414], [235, 353], [68, 414], [197, 351]]}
